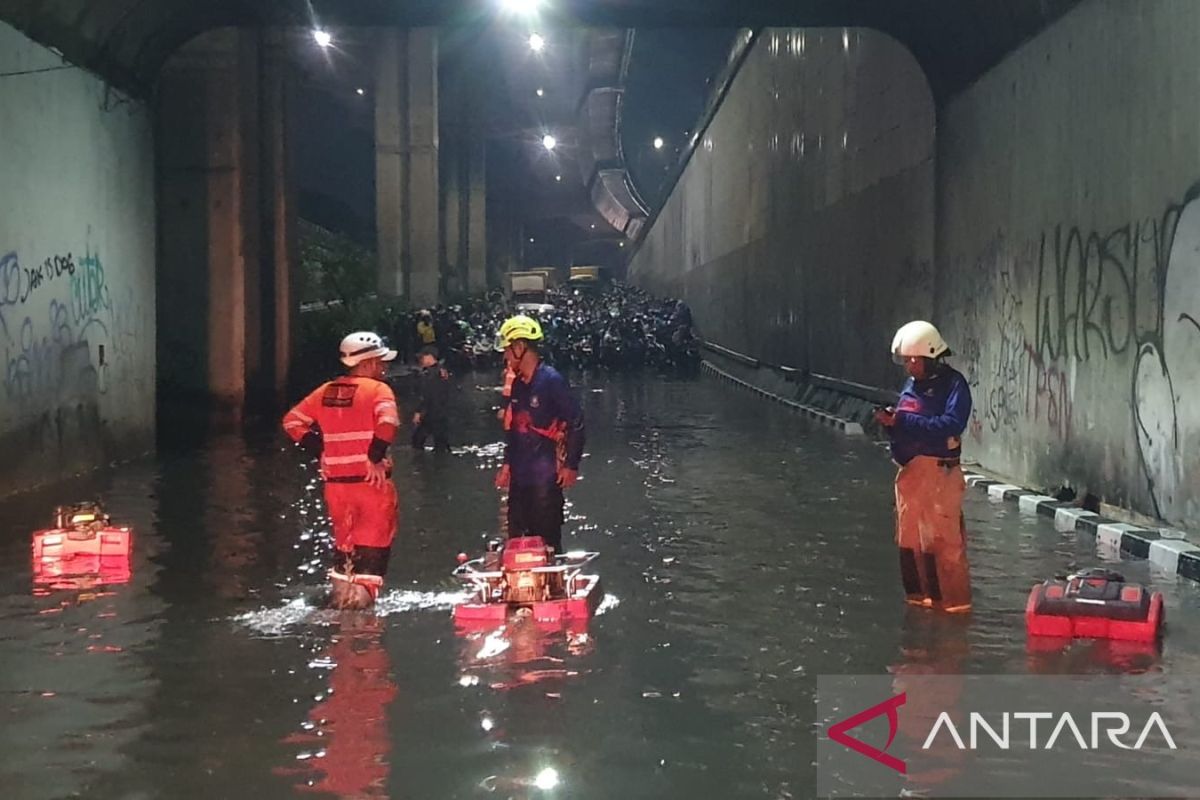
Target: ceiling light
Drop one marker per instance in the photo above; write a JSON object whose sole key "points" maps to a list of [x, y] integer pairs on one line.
{"points": [[549, 142], [541, 92], [536, 42], [658, 143], [361, 91], [322, 38]]}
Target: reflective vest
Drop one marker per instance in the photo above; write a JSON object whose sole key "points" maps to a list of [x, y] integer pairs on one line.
{"points": [[426, 332], [350, 412], [506, 393]]}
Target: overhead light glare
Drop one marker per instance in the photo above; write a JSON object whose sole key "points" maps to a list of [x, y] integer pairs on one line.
{"points": [[546, 779], [549, 142], [536, 42], [322, 38], [523, 7]]}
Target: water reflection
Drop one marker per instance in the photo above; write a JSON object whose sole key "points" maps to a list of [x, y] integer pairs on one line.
{"points": [[344, 743], [931, 644], [522, 653], [76, 617], [1049, 655]]}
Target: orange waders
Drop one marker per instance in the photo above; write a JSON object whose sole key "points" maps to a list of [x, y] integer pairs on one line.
{"points": [[931, 533]]}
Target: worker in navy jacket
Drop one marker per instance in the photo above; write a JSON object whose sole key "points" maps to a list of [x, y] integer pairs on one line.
{"points": [[545, 437], [925, 428]]}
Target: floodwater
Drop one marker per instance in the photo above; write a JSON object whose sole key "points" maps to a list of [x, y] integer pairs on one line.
{"points": [[744, 552]]}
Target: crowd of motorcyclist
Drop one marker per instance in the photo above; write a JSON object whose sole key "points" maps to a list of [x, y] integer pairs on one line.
{"points": [[614, 327]]}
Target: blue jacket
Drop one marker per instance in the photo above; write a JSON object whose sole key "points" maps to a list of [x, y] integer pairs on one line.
{"points": [[931, 416], [544, 413]]}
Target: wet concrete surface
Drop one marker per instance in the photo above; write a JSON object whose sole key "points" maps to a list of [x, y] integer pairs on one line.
{"points": [[744, 553]]}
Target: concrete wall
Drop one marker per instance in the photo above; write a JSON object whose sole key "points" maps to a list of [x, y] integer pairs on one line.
{"points": [[801, 231], [77, 280], [1069, 255]]}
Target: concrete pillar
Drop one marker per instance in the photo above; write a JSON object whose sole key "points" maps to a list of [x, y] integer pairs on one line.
{"points": [[424, 250], [280, 262], [453, 218], [390, 136], [406, 146], [254, 379], [208, 212], [477, 213], [226, 257]]}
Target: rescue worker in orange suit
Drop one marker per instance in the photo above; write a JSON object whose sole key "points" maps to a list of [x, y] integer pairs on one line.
{"points": [[544, 441], [925, 428], [350, 424]]}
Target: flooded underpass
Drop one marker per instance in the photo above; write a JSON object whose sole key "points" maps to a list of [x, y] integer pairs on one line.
{"points": [[743, 550]]}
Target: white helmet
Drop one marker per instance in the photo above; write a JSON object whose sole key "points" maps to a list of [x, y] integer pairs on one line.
{"points": [[918, 338], [362, 345]]}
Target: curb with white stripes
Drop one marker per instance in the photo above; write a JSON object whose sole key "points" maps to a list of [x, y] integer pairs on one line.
{"points": [[1166, 549], [816, 414]]}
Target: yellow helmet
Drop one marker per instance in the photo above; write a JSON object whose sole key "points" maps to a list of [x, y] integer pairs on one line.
{"points": [[519, 327]]}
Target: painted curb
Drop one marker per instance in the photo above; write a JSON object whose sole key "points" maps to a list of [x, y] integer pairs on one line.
{"points": [[824, 417], [1171, 554]]}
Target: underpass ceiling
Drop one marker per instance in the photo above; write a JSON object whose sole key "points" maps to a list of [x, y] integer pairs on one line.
{"points": [[127, 41]]}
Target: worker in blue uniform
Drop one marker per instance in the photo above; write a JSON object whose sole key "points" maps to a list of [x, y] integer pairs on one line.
{"points": [[925, 429], [545, 437]]}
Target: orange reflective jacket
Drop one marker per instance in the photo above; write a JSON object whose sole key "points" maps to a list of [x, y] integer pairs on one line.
{"points": [[350, 413]]}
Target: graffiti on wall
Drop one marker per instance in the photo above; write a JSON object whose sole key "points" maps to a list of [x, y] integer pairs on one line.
{"points": [[1124, 299], [995, 350], [64, 340], [1166, 376]]}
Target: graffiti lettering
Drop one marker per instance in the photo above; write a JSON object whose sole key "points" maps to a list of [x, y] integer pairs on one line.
{"points": [[89, 291], [48, 360], [1087, 286], [1048, 390]]}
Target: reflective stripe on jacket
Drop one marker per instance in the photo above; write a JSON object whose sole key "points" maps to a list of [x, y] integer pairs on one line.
{"points": [[349, 412]]}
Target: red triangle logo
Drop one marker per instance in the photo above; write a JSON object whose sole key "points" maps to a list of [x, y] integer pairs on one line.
{"points": [[838, 733]]}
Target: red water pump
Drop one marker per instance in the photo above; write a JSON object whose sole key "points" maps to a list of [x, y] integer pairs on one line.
{"points": [[1095, 604], [82, 547]]}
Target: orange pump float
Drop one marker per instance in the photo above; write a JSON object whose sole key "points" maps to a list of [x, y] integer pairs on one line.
{"points": [[82, 547]]}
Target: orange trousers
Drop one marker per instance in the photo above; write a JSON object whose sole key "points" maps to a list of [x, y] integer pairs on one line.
{"points": [[931, 534], [362, 515]]}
